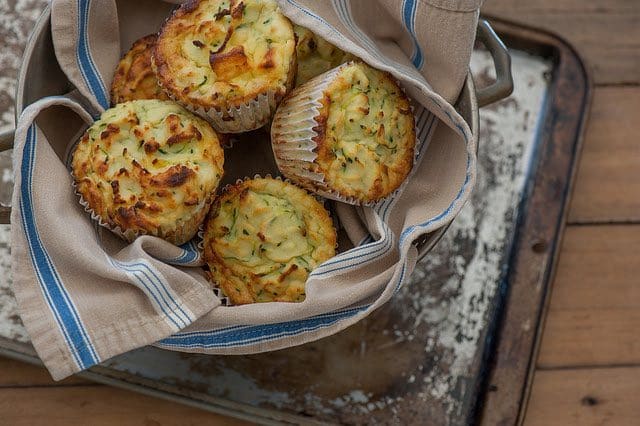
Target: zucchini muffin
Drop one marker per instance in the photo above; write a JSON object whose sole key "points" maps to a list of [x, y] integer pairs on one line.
{"points": [[148, 167], [316, 55], [134, 77], [262, 239], [231, 61], [348, 134]]}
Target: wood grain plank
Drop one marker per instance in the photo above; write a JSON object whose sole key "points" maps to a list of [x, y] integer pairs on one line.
{"points": [[599, 268], [594, 312], [613, 55], [591, 337], [585, 397], [607, 187], [97, 405], [16, 373]]}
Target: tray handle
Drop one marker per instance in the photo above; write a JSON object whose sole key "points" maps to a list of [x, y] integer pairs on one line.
{"points": [[6, 143], [503, 86]]}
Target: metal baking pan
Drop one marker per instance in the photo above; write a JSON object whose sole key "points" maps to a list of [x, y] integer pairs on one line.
{"points": [[184, 377], [512, 349]]}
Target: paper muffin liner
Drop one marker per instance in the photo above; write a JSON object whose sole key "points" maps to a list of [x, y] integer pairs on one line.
{"points": [[244, 118], [292, 139], [176, 234]]}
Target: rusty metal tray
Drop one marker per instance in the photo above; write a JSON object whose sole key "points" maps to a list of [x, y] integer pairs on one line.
{"points": [[456, 346], [511, 360]]}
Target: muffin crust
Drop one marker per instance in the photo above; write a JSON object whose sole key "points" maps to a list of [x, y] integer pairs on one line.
{"points": [[315, 55], [222, 54], [366, 134], [134, 77], [262, 239], [149, 167]]}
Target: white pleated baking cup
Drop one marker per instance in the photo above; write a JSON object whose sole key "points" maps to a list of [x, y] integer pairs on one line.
{"points": [[292, 139], [243, 118], [177, 235]]}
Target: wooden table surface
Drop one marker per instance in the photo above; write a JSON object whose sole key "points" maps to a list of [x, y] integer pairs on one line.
{"points": [[588, 369]]}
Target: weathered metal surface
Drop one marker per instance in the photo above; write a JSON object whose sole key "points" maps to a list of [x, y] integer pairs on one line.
{"points": [[420, 358], [16, 22], [532, 268]]}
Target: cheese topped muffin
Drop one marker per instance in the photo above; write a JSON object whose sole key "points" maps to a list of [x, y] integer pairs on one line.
{"points": [[360, 147], [262, 239], [232, 60], [134, 77], [149, 167], [316, 55]]}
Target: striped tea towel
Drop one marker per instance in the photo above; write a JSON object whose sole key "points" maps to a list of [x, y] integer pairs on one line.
{"points": [[85, 295]]}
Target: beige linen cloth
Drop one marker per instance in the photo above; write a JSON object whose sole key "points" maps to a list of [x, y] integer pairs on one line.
{"points": [[85, 295]]}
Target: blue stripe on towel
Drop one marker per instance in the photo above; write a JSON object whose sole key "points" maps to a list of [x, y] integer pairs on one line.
{"points": [[343, 10], [353, 254], [247, 335], [190, 254], [409, 8], [157, 289], [360, 255], [150, 281], [244, 335], [51, 285], [367, 239], [408, 232], [85, 61]]}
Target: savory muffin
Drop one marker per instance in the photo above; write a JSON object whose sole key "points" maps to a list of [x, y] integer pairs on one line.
{"points": [[149, 167], [360, 144], [262, 239], [231, 61], [316, 55], [134, 77]]}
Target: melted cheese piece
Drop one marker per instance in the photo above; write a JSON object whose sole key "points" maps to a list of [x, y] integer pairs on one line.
{"points": [[263, 238], [316, 55], [149, 166], [134, 77], [366, 147], [224, 53]]}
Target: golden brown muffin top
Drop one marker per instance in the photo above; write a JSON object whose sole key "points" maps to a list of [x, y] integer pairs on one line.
{"points": [[316, 55], [134, 77], [366, 137], [224, 53], [148, 166], [262, 239]]}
